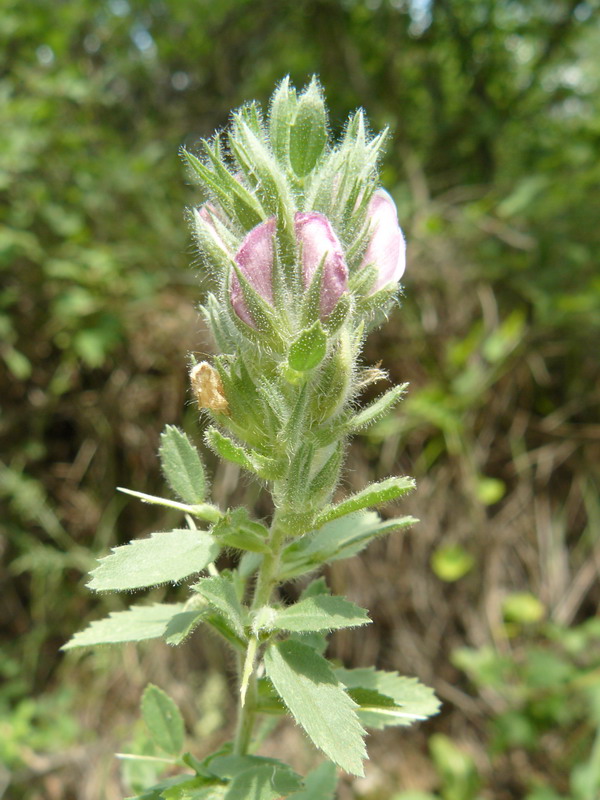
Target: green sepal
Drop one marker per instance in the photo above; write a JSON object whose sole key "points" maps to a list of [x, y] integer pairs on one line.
{"points": [[236, 529], [376, 410], [308, 133], [327, 478], [309, 349], [334, 321], [182, 466], [226, 187], [163, 720], [281, 113], [298, 477], [374, 495], [266, 320]]}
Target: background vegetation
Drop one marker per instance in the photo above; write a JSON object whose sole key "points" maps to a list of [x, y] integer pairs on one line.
{"points": [[494, 107]]}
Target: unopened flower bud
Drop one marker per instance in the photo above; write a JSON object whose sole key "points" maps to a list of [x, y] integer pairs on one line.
{"points": [[386, 249], [208, 228], [318, 243], [255, 261], [208, 388]]}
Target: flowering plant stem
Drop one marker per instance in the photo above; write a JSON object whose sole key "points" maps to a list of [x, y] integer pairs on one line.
{"points": [[305, 252]]}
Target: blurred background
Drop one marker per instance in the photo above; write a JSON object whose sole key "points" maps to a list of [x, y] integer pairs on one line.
{"points": [[494, 109]]}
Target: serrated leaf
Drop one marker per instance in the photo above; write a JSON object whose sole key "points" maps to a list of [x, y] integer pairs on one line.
{"points": [[162, 558], [309, 688], [220, 593], [226, 448], [136, 624], [374, 495], [335, 540], [182, 466], [163, 720], [411, 700], [320, 613], [320, 784]]}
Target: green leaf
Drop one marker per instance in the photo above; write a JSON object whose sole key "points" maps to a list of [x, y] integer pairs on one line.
{"points": [[162, 558], [308, 133], [283, 106], [220, 593], [309, 349], [339, 539], [263, 783], [156, 792], [182, 466], [226, 448], [317, 701], [182, 625], [236, 529], [373, 495], [410, 700], [196, 789], [163, 720], [320, 784], [320, 613], [377, 409], [133, 625]]}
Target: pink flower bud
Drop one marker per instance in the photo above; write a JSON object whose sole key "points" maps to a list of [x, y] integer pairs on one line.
{"points": [[318, 241], [386, 248], [255, 261]]}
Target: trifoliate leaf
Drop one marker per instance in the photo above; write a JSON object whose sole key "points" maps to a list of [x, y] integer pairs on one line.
{"points": [[162, 558]]}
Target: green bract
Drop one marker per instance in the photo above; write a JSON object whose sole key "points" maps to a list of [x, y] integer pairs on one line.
{"points": [[304, 252]]}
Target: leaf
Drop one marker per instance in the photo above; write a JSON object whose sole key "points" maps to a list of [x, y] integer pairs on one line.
{"points": [[308, 133], [411, 700], [181, 625], [341, 538], [133, 625], [320, 784], [263, 783], [182, 466], [320, 613], [220, 593], [317, 701], [196, 789], [236, 529], [162, 558], [227, 449], [156, 792], [163, 720], [373, 495]]}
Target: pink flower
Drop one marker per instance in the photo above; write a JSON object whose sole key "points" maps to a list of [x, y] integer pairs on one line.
{"points": [[255, 261], [386, 249], [318, 241]]}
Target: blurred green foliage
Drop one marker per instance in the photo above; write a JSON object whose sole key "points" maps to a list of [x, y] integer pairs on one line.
{"points": [[494, 111]]}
